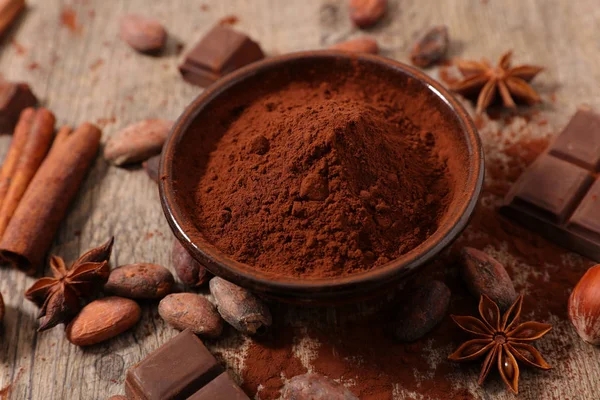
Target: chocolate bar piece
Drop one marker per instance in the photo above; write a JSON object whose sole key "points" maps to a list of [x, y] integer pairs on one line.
{"points": [[14, 98], [174, 371], [559, 195], [221, 388], [220, 52]]}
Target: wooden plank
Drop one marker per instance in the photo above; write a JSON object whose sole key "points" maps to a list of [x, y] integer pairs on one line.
{"points": [[90, 75]]}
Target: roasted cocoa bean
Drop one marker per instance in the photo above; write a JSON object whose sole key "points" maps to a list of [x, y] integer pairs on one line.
{"points": [[151, 167], [240, 308], [484, 275], [360, 45], [431, 47], [137, 142], [143, 34], [423, 308], [140, 281], [189, 270], [365, 13], [191, 311], [103, 319], [315, 387]]}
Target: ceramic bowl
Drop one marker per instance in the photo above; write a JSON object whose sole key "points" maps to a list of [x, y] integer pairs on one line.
{"points": [[466, 169]]}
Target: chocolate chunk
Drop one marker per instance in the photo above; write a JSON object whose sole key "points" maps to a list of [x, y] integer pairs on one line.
{"points": [[221, 388], [558, 195], [220, 52], [174, 371], [14, 98]]}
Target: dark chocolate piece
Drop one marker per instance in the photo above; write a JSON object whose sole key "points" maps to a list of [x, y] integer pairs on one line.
{"points": [[557, 196], [174, 371], [221, 388], [14, 98], [220, 52]]}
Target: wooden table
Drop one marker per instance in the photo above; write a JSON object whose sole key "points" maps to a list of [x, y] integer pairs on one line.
{"points": [[85, 73]]}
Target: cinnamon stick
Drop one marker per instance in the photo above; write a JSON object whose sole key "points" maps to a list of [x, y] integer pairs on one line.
{"points": [[30, 156], [9, 11], [14, 152], [44, 205]]}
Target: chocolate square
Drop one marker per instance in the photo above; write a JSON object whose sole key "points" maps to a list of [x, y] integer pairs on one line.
{"points": [[557, 196], [174, 371], [579, 142], [221, 388], [552, 186], [14, 98], [586, 218], [220, 52]]}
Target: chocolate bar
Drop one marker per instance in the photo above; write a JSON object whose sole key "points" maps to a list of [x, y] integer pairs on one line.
{"points": [[221, 388], [175, 371], [558, 196], [14, 98], [220, 52]]}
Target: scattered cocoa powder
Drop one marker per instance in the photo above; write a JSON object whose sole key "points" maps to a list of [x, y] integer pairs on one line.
{"points": [[354, 345], [320, 179], [229, 20], [68, 18]]}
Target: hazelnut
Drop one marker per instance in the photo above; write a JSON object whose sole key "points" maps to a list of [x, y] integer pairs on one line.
{"points": [[584, 306]]}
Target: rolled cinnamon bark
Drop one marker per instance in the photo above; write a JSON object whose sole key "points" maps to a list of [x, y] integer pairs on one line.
{"points": [[30, 156], [14, 152], [44, 205]]}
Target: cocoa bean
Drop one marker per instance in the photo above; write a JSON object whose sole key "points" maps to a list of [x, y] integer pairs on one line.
{"points": [[143, 34], [191, 311], [140, 281], [103, 319], [423, 308], [484, 275], [240, 308], [360, 45], [137, 142], [190, 271], [151, 166], [2, 308], [315, 387], [431, 47], [365, 13]]}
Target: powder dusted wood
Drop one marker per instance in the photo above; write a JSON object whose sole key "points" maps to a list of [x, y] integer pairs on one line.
{"points": [[103, 319], [137, 142], [191, 311], [315, 387]]}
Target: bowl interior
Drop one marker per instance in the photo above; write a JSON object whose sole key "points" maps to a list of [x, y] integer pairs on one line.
{"points": [[432, 108]]}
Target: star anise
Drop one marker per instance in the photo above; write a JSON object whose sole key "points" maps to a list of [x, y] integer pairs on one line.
{"points": [[60, 297], [512, 82], [502, 340]]}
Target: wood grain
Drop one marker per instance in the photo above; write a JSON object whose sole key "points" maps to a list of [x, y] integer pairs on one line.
{"points": [[88, 74]]}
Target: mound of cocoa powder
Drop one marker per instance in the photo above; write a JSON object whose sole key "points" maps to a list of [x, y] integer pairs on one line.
{"points": [[321, 180]]}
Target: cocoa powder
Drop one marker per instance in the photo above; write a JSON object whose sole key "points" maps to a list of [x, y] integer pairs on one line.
{"points": [[320, 180], [355, 345]]}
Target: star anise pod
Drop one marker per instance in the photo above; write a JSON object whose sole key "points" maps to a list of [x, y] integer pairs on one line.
{"points": [[511, 82], [502, 340], [60, 297]]}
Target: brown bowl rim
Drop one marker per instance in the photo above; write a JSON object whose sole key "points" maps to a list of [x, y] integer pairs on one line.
{"points": [[222, 265]]}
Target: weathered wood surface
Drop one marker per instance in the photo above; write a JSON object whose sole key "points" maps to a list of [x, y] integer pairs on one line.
{"points": [[89, 75]]}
